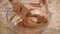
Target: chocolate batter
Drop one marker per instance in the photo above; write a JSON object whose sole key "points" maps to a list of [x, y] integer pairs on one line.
{"points": [[26, 16]]}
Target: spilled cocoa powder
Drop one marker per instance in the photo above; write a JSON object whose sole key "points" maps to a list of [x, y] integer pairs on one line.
{"points": [[25, 15]]}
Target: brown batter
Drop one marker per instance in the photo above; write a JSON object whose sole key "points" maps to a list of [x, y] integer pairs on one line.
{"points": [[26, 16]]}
